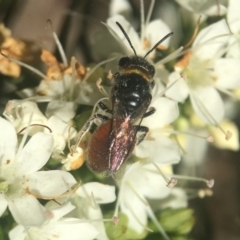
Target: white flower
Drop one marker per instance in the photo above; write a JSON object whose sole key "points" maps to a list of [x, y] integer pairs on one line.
{"points": [[157, 146], [20, 180], [121, 7], [19, 112], [204, 71], [56, 226], [67, 88], [205, 7], [86, 200], [143, 43], [233, 19], [139, 182]]}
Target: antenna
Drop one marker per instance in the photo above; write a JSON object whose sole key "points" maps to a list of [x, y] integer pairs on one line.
{"points": [[162, 40], [126, 36]]}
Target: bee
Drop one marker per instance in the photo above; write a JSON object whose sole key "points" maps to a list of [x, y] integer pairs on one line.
{"points": [[115, 138]]}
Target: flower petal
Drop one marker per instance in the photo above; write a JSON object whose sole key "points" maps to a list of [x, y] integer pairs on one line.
{"points": [[210, 41], [69, 229], [147, 181], [26, 210], [3, 204], [234, 48], [166, 112], [233, 16], [64, 110], [162, 150], [132, 34], [154, 36], [17, 233], [8, 141], [50, 183], [227, 72], [216, 10], [135, 210], [101, 192], [177, 199], [35, 153], [57, 212], [179, 91], [24, 111], [208, 104], [122, 7], [59, 126]]}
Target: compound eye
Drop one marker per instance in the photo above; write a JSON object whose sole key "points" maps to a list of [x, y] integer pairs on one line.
{"points": [[151, 70], [124, 62]]}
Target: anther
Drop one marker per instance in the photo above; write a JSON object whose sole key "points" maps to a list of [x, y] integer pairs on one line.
{"points": [[210, 183], [228, 135], [115, 220], [172, 182]]}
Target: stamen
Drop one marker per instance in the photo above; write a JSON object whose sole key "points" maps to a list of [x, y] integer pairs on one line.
{"points": [[142, 21], [101, 88], [210, 117], [59, 45], [24, 137], [194, 33], [149, 13], [229, 93], [32, 69], [137, 218], [96, 67], [38, 99], [32, 125], [219, 53], [113, 32], [73, 63], [210, 183], [94, 201], [69, 192], [169, 86], [136, 193], [208, 138], [119, 198], [171, 56], [157, 224], [218, 5], [95, 220], [180, 145], [170, 182], [110, 75]]}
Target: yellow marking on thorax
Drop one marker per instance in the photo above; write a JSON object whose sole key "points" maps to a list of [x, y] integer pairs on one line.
{"points": [[137, 71]]}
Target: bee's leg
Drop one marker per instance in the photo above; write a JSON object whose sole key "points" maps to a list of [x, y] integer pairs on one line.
{"points": [[144, 131], [88, 125], [104, 107], [151, 111]]}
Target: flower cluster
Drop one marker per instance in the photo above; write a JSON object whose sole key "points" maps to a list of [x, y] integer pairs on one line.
{"points": [[45, 184]]}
